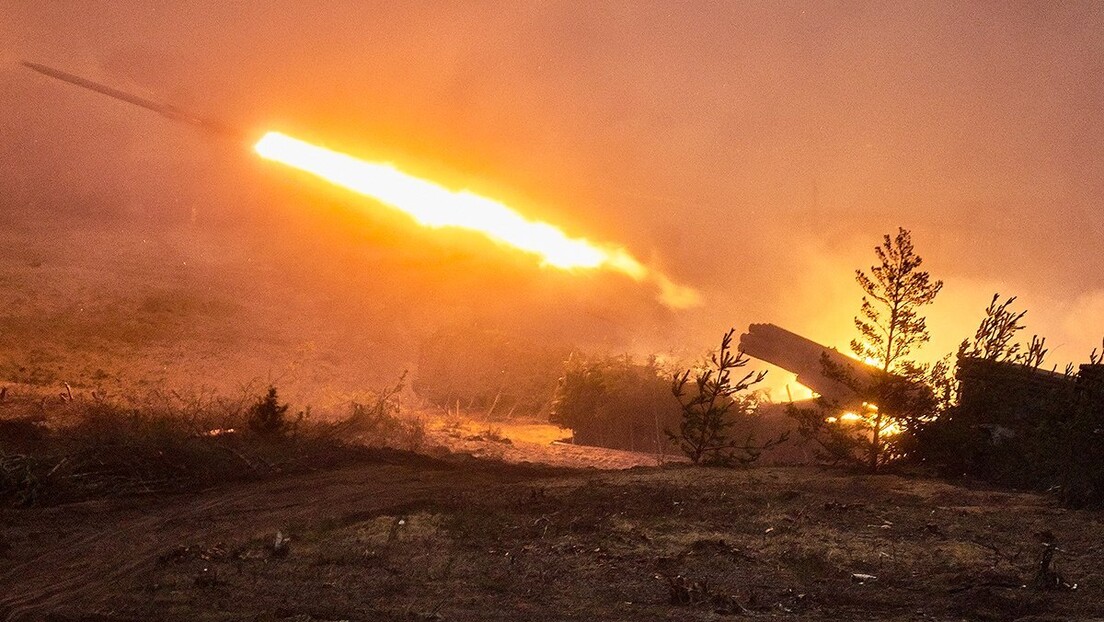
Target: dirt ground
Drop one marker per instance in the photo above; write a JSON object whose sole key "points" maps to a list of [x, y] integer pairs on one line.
{"points": [[417, 539], [529, 441]]}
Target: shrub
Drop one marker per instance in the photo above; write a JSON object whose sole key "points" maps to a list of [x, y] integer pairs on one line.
{"points": [[487, 370], [162, 444], [379, 422], [614, 402], [268, 417], [705, 428], [1081, 452], [20, 481], [863, 435]]}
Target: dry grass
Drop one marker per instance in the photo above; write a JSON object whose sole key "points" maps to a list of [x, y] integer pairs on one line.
{"points": [[65, 448]]}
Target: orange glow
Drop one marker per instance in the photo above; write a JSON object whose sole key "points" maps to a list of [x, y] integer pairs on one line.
{"points": [[867, 420], [891, 429], [434, 206]]}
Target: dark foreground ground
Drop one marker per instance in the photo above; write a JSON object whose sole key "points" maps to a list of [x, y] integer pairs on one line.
{"points": [[421, 540]]}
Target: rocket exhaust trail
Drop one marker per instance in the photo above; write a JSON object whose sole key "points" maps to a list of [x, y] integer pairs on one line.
{"points": [[428, 203], [168, 111]]}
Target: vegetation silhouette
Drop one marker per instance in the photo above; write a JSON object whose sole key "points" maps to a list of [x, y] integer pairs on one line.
{"points": [[711, 405]]}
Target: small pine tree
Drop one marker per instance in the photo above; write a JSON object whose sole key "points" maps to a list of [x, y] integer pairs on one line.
{"points": [[877, 431], [704, 433], [890, 328], [993, 340], [267, 417], [890, 324]]}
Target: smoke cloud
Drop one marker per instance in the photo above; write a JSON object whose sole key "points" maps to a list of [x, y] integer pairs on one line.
{"points": [[754, 151]]}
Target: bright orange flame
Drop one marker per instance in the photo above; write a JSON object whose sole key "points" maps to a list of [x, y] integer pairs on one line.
{"points": [[868, 419], [434, 206]]}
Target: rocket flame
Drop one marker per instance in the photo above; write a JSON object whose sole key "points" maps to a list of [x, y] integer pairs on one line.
{"points": [[434, 206], [867, 419]]}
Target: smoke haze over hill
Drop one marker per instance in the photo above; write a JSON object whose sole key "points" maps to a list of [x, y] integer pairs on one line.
{"points": [[755, 151]]}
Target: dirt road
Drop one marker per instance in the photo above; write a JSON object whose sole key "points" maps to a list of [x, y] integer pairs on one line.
{"points": [[77, 557], [424, 540]]}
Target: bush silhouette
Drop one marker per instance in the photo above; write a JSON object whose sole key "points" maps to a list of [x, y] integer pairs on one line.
{"points": [[268, 417]]}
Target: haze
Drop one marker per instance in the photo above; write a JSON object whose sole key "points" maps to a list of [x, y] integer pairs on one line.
{"points": [[755, 151]]}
